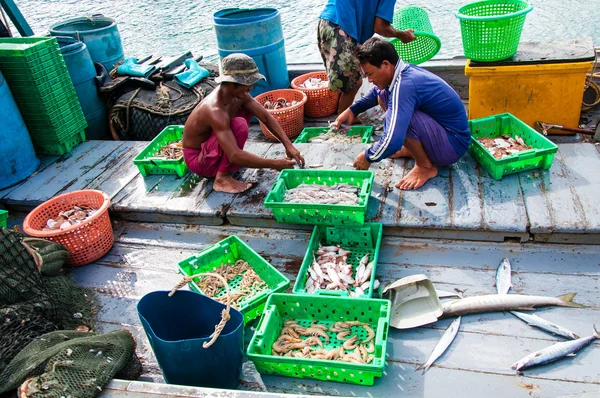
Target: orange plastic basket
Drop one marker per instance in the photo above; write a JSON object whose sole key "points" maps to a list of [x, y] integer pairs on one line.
{"points": [[321, 102], [86, 242], [291, 119]]}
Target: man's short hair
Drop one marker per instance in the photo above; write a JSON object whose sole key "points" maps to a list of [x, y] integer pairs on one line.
{"points": [[375, 51]]}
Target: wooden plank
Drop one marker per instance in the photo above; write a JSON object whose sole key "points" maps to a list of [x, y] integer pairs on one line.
{"points": [[465, 198], [582, 162], [248, 210], [88, 161], [534, 187], [387, 174]]}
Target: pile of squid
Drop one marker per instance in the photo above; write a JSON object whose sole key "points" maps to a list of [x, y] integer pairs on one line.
{"points": [[337, 135], [311, 342], [250, 285], [67, 218], [330, 270], [338, 194], [280, 103], [173, 150], [315, 82]]}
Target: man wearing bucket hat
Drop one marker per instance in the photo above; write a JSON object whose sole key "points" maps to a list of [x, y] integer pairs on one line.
{"points": [[425, 118], [216, 131], [345, 23]]}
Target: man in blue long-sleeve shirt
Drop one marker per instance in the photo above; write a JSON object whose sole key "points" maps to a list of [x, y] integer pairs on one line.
{"points": [[425, 119]]}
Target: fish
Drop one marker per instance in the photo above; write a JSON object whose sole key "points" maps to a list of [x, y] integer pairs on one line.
{"points": [[505, 302], [444, 294], [541, 323], [555, 352], [442, 345], [503, 284]]}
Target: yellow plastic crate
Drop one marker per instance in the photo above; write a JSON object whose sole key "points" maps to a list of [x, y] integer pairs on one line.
{"points": [[551, 93]]}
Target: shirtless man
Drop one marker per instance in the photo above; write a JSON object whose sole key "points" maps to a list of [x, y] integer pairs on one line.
{"points": [[216, 131]]}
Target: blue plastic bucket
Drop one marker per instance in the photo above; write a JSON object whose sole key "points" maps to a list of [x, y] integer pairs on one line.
{"points": [[177, 327], [16, 150], [81, 69], [100, 35], [259, 34]]}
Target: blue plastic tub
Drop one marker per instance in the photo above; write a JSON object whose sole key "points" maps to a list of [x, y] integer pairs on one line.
{"points": [[177, 327], [99, 33], [259, 34], [81, 69], [16, 149]]}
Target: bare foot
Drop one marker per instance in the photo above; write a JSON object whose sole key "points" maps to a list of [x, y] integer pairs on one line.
{"points": [[229, 185], [402, 153], [417, 177]]}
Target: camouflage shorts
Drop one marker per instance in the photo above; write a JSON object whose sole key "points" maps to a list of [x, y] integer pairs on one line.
{"points": [[337, 51]]}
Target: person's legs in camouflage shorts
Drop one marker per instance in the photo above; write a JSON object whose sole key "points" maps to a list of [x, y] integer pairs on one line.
{"points": [[343, 71]]}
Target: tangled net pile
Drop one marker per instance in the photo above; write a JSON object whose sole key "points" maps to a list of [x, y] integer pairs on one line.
{"points": [[37, 354]]}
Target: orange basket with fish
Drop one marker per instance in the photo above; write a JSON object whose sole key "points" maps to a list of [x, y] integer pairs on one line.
{"points": [[320, 101], [287, 107], [88, 237]]}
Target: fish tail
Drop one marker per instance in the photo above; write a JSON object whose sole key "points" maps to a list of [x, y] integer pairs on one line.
{"points": [[596, 333], [567, 301]]}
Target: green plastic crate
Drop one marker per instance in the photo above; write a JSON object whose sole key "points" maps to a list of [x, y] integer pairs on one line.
{"points": [[310, 132], [315, 214], [58, 148], [326, 310], [3, 218], [540, 156], [228, 251], [359, 240], [26, 46], [148, 164]]}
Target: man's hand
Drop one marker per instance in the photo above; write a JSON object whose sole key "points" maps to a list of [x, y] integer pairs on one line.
{"points": [[361, 162], [346, 117], [293, 153], [281, 164], [406, 36]]}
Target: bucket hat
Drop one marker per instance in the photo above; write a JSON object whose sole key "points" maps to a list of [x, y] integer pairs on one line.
{"points": [[239, 68]]}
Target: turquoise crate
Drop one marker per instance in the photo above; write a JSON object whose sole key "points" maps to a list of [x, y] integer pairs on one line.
{"points": [[306, 309], [148, 164], [540, 156], [228, 251], [310, 132], [359, 240], [3, 218], [58, 148], [26, 46], [315, 214]]}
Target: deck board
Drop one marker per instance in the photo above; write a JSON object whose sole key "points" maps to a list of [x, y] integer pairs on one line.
{"points": [[482, 353]]}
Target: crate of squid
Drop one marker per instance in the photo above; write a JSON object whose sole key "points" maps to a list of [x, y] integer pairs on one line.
{"points": [[341, 261], [320, 197]]}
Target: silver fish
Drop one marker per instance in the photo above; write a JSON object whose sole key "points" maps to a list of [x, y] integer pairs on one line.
{"points": [[505, 302], [444, 294], [555, 352], [503, 284], [442, 345], [534, 320]]}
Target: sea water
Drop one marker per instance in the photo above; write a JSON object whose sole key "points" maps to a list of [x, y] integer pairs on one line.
{"points": [[166, 27]]}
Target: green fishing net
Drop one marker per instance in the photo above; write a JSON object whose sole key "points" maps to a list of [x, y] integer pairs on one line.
{"points": [[34, 311]]}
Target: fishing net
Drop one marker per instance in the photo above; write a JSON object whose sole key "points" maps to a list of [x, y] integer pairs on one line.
{"points": [[32, 305], [139, 115]]}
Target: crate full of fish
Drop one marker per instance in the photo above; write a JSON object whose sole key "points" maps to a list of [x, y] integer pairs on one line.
{"points": [[325, 338], [504, 145], [341, 261], [331, 197], [333, 135], [251, 279], [164, 154]]}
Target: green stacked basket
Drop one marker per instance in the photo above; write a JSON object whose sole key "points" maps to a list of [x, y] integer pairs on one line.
{"points": [[40, 83], [491, 29], [3, 218], [426, 44]]}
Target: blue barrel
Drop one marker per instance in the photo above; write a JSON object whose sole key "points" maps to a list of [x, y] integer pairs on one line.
{"points": [[257, 33], [82, 72], [16, 150], [100, 35], [177, 327]]}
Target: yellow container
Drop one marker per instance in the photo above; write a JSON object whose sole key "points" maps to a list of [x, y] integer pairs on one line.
{"points": [[551, 93]]}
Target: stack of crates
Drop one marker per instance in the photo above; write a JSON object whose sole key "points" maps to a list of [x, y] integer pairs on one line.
{"points": [[40, 83]]}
